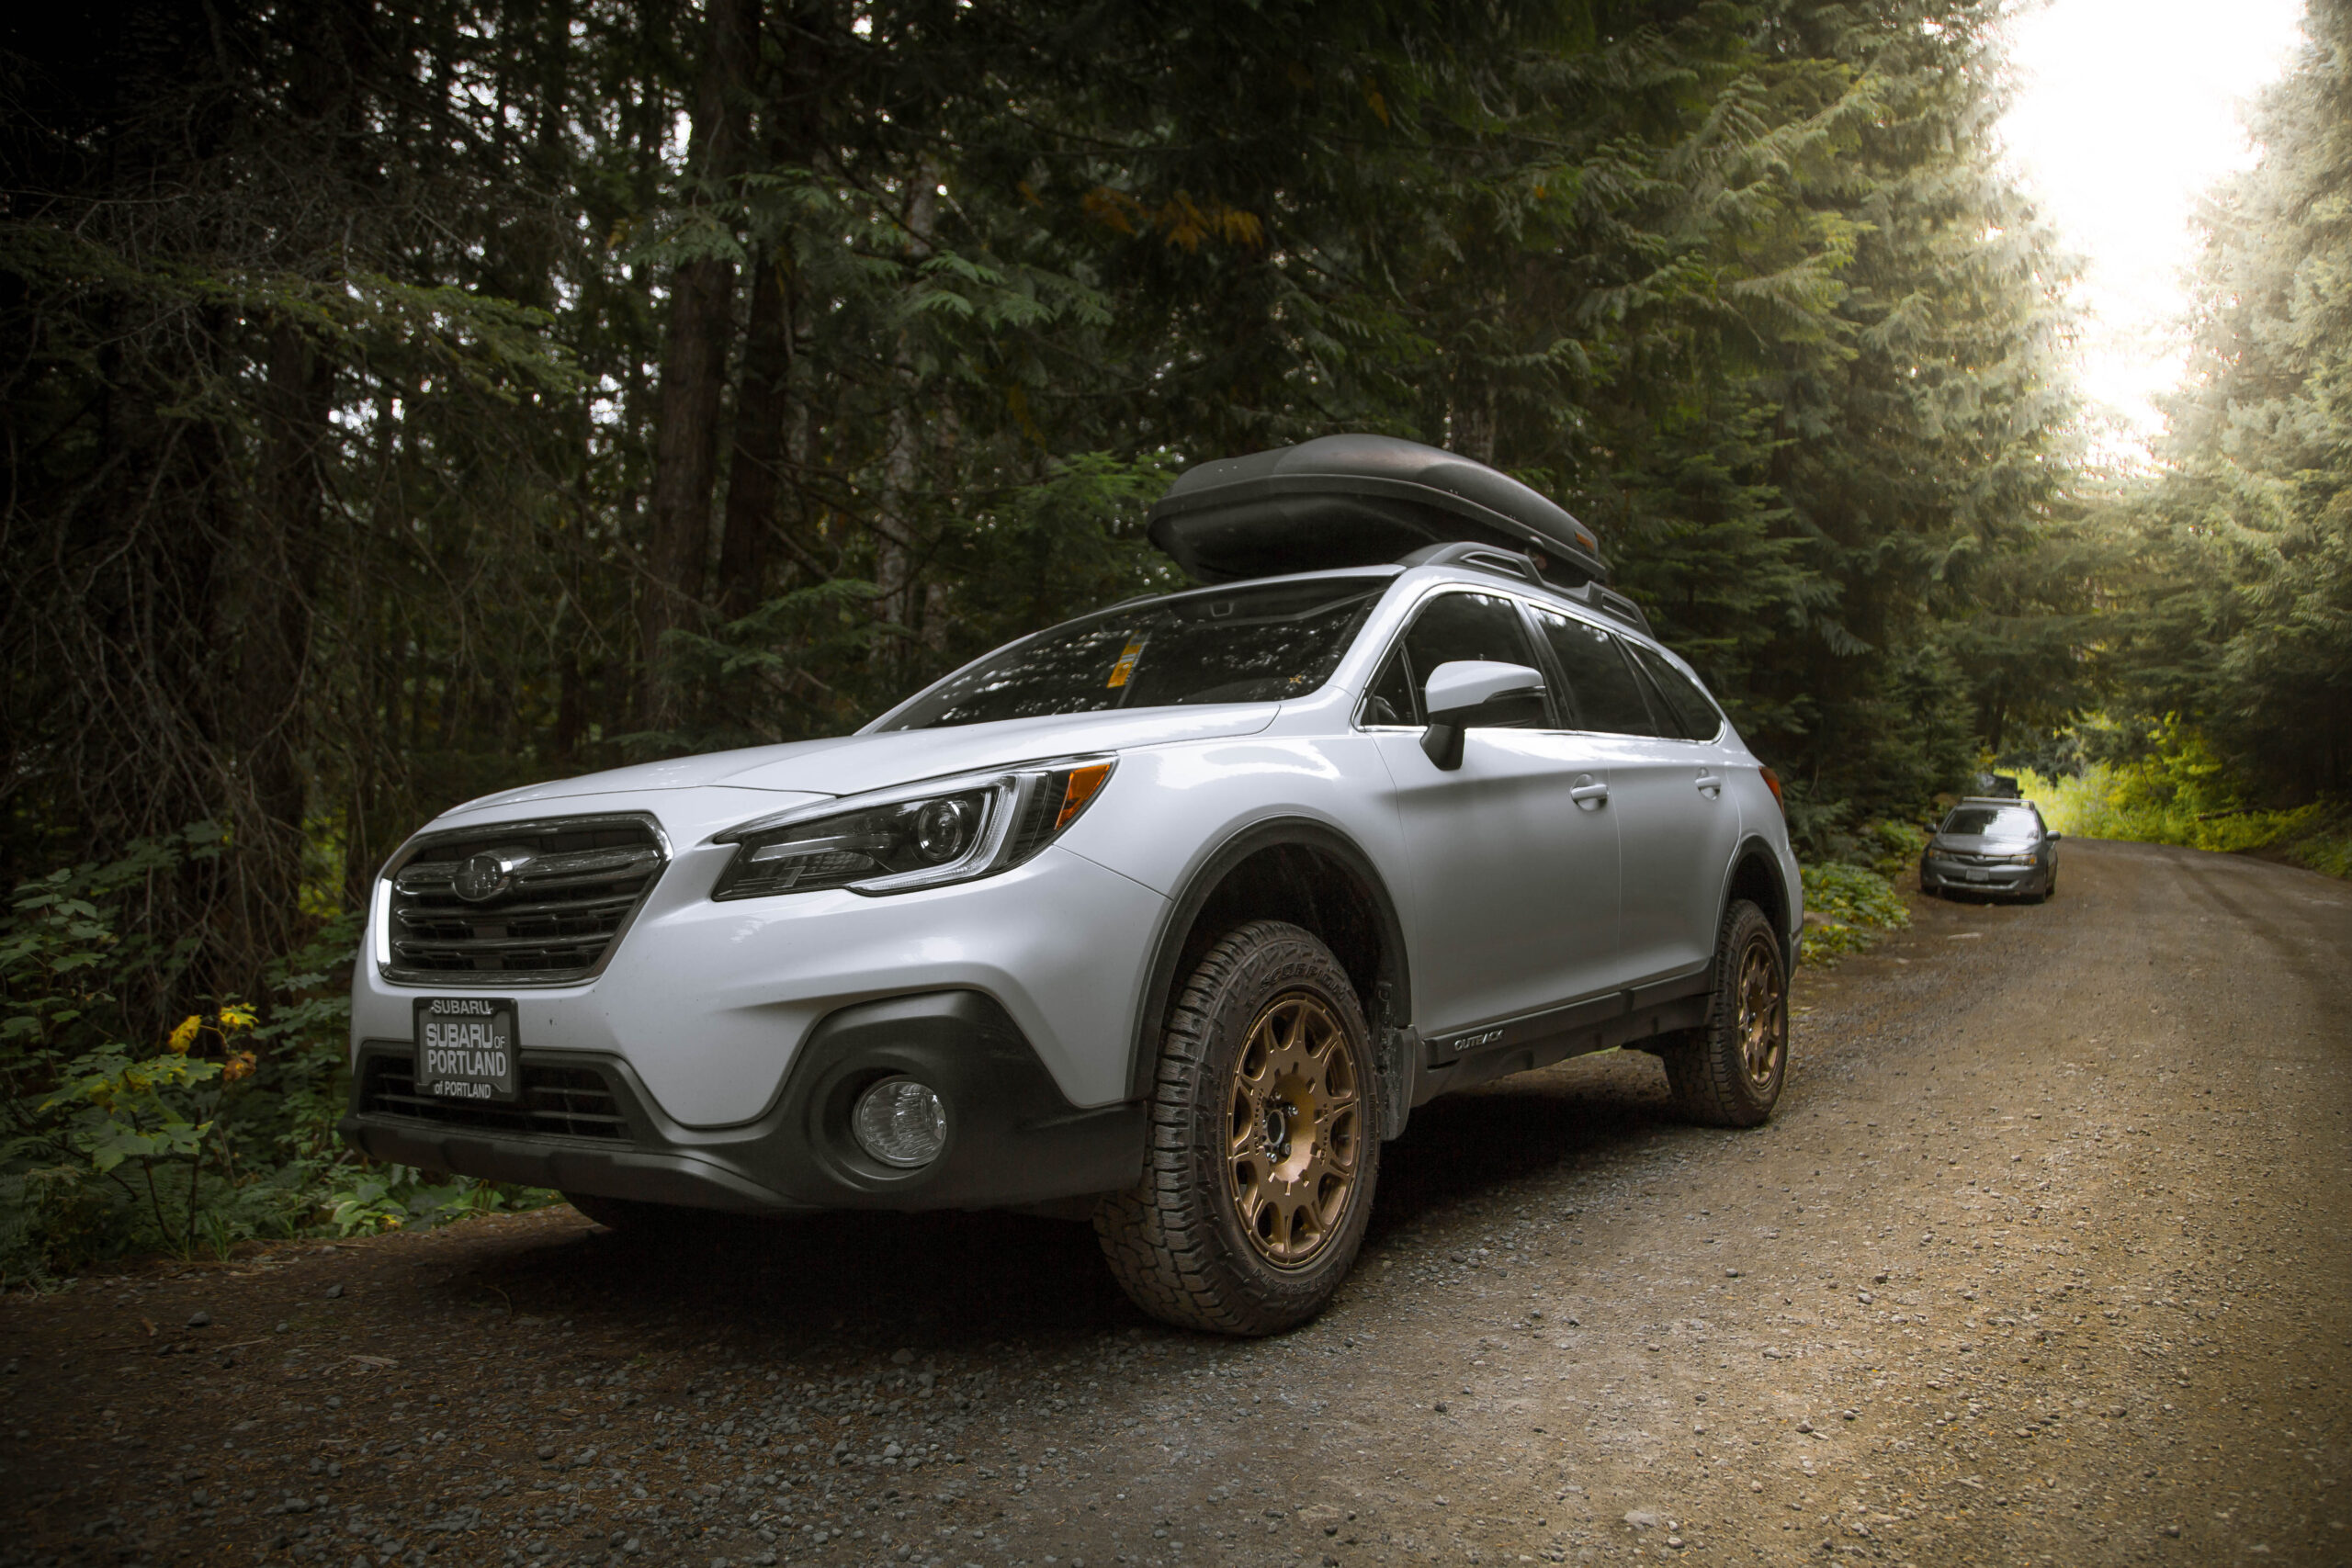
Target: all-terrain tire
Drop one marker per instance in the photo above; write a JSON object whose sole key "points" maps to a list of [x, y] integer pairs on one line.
{"points": [[1728, 1071], [1179, 1242]]}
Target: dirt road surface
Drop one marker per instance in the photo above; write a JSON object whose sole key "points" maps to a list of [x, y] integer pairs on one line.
{"points": [[2044, 1260]]}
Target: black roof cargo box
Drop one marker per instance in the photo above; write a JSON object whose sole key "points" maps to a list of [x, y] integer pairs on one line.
{"points": [[1346, 500]]}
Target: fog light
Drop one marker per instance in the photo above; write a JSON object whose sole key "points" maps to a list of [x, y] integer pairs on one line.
{"points": [[900, 1123]]}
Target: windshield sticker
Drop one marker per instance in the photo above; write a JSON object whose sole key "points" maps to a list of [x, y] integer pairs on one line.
{"points": [[1126, 664]]}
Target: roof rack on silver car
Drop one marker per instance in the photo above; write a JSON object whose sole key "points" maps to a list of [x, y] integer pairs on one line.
{"points": [[1480, 558], [1505, 563], [1609, 601]]}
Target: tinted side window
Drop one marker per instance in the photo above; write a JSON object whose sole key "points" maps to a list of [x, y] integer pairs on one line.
{"points": [[1474, 625], [1600, 685], [1695, 718]]}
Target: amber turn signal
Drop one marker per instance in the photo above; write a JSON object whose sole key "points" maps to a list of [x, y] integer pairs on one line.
{"points": [[1083, 783]]}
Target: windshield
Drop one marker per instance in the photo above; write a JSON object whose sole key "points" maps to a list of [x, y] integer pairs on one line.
{"points": [[1993, 822], [1253, 644]]}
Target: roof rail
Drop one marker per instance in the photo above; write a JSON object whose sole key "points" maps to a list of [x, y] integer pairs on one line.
{"points": [[1609, 601], [1504, 563], [1477, 557]]}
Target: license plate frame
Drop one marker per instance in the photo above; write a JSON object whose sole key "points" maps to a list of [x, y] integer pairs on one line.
{"points": [[1980, 876], [469, 1050]]}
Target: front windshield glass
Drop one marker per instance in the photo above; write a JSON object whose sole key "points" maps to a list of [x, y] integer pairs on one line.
{"points": [[1257, 643], [1993, 822]]}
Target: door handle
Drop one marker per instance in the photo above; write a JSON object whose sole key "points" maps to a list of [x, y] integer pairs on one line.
{"points": [[1710, 785], [1589, 795]]}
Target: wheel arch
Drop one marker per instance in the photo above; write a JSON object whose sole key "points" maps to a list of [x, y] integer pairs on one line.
{"points": [[1295, 869], [1757, 875]]}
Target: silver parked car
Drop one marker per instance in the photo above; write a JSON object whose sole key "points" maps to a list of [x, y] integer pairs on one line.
{"points": [[1177, 910], [1992, 846]]}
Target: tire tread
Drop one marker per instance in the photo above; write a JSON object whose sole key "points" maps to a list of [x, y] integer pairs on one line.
{"points": [[1161, 1238], [1703, 1068]]}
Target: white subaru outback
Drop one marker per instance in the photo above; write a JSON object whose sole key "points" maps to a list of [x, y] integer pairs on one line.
{"points": [[1177, 910]]}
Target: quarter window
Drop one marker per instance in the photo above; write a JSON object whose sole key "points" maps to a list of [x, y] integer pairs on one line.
{"points": [[1693, 716], [1390, 701]]}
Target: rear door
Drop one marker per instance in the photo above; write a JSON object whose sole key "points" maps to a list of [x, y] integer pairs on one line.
{"points": [[1515, 880], [1679, 844]]}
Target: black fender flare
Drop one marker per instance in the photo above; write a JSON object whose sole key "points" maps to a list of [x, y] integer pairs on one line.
{"points": [[1757, 844], [1394, 1007]]}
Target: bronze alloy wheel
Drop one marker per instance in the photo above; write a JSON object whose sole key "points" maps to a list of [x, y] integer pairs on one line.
{"points": [[1763, 1011], [1727, 1071], [1293, 1128], [1264, 1154]]}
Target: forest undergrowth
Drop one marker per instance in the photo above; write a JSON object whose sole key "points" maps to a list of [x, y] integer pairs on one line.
{"points": [[119, 1141], [2177, 790]]}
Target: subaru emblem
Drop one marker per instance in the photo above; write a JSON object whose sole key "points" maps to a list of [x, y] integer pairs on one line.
{"points": [[482, 877]]}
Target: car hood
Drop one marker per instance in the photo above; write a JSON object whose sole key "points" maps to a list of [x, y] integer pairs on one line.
{"points": [[851, 764], [1979, 845]]}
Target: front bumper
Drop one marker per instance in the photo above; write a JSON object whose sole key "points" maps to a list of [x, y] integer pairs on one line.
{"points": [[708, 1003], [1995, 880], [587, 1124]]}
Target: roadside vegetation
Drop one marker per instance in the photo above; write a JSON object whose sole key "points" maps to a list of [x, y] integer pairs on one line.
{"points": [[1850, 897], [117, 1140], [2178, 792], [2169, 787]]}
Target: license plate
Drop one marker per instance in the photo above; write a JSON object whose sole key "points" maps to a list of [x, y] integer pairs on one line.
{"points": [[466, 1048], [1980, 876]]}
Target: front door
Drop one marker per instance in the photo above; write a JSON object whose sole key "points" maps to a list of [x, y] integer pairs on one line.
{"points": [[1515, 882]]}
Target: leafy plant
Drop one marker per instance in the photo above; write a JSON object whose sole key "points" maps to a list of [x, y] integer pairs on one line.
{"points": [[219, 1130], [1848, 909], [2171, 788]]}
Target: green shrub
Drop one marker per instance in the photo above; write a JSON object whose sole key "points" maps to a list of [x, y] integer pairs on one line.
{"points": [[220, 1132], [1848, 908], [1892, 847], [2322, 841], [2177, 790]]}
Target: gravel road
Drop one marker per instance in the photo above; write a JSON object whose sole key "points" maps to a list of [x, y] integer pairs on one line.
{"points": [[2043, 1260]]}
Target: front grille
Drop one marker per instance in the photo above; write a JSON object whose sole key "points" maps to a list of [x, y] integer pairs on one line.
{"points": [[541, 901], [560, 1103], [1960, 857]]}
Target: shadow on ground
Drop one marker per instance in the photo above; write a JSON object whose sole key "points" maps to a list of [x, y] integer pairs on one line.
{"points": [[951, 1282]]}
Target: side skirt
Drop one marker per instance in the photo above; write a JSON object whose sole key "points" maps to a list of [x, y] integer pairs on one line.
{"points": [[1603, 1022]]}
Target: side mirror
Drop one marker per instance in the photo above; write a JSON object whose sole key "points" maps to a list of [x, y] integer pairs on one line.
{"points": [[1455, 694], [2054, 837]]}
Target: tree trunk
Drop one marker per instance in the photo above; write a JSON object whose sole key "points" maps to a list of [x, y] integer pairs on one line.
{"points": [[754, 472], [274, 651], [694, 365], [284, 554], [894, 523]]}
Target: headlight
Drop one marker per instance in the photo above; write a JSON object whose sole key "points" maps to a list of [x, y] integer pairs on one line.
{"points": [[948, 830]]}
